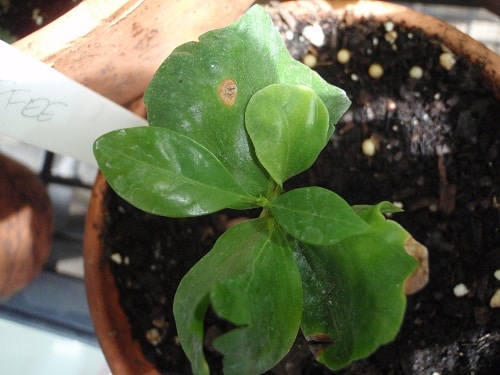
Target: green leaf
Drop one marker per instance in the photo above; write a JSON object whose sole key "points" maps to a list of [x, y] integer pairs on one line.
{"points": [[288, 125], [251, 279], [353, 291], [317, 216], [202, 90], [334, 98], [166, 173]]}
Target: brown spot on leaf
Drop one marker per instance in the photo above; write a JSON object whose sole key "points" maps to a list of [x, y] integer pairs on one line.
{"points": [[227, 91], [318, 343]]}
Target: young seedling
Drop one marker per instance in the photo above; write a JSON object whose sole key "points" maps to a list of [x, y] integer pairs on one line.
{"points": [[233, 117]]}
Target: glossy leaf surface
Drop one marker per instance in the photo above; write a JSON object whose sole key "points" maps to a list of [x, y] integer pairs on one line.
{"points": [[166, 173], [317, 216], [353, 291], [288, 126], [203, 88], [251, 279]]}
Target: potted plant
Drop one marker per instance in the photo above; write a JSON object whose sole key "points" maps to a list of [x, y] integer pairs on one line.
{"points": [[218, 142], [26, 226], [421, 309]]}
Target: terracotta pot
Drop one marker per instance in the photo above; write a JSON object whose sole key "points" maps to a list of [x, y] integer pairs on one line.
{"points": [[122, 352], [26, 226], [114, 47], [112, 327]]}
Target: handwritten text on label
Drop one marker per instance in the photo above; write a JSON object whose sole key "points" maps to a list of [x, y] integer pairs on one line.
{"points": [[40, 109]]}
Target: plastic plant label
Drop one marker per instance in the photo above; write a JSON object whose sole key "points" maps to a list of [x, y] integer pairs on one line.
{"points": [[44, 108]]}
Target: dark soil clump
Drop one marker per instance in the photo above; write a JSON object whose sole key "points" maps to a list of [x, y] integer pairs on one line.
{"points": [[437, 154]]}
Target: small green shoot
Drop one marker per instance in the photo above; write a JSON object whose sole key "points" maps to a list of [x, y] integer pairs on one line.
{"points": [[233, 117]]}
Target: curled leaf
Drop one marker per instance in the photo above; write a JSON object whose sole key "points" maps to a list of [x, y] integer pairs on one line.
{"points": [[419, 278], [353, 290]]}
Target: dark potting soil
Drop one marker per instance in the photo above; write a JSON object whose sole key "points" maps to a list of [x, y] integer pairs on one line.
{"points": [[434, 135]]}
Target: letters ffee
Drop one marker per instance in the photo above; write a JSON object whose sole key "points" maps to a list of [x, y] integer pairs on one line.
{"points": [[41, 109]]}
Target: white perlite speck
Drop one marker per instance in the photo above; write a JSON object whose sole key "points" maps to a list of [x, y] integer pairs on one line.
{"points": [[369, 147], [343, 56], [310, 60], [375, 71], [153, 336], [117, 258], [495, 300], [497, 274], [447, 60], [416, 72], [460, 290], [389, 26], [314, 34]]}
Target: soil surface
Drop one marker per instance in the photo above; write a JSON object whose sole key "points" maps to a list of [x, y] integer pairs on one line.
{"points": [[436, 152]]}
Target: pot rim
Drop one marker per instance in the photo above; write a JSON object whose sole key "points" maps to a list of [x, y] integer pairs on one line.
{"points": [[458, 42]]}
